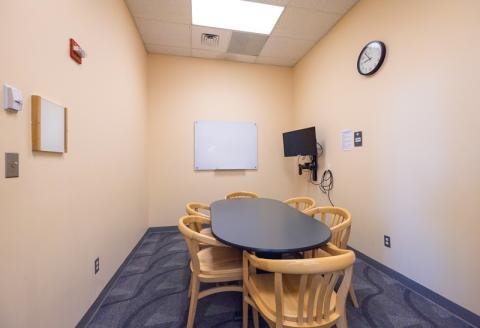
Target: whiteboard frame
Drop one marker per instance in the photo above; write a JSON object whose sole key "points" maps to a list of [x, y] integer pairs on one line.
{"points": [[249, 142]]}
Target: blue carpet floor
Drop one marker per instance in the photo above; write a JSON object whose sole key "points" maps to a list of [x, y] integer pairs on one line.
{"points": [[151, 291]]}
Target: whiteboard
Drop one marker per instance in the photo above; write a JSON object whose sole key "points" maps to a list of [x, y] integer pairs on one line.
{"points": [[52, 130], [225, 145]]}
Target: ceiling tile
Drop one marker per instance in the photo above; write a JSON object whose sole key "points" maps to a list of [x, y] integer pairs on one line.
{"points": [[241, 58], [165, 27], [336, 6], [281, 3], [158, 49], [309, 4], [207, 54], [276, 61], [224, 35], [304, 23], [243, 43], [221, 55], [166, 34], [331, 6], [174, 11], [281, 47]]}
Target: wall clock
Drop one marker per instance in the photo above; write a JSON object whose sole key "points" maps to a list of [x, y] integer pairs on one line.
{"points": [[371, 58]]}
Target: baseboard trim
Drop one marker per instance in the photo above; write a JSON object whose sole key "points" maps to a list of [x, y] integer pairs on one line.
{"points": [[92, 310], [163, 229], [454, 308]]}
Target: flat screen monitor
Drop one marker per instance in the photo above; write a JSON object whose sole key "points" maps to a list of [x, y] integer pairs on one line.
{"points": [[300, 142]]}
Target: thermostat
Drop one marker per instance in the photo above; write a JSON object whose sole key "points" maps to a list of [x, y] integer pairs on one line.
{"points": [[12, 98]]}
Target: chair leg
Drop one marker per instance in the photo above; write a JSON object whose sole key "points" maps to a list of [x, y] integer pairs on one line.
{"points": [[353, 296], [342, 321], [245, 314], [190, 286], [255, 318], [193, 301]]}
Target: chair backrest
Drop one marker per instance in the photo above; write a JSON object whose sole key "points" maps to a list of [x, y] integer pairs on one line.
{"points": [[187, 225], [317, 279], [338, 219], [201, 209], [241, 194], [301, 203]]}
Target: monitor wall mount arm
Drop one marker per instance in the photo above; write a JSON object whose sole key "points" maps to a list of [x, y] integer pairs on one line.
{"points": [[312, 166]]}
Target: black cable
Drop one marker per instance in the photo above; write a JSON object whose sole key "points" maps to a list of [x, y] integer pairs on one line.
{"points": [[326, 184]]}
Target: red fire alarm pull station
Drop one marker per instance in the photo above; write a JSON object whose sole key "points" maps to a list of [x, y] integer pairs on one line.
{"points": [[76, 52]]}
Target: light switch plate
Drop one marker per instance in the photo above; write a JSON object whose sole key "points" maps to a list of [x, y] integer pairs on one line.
{"points": [[11, 165]]}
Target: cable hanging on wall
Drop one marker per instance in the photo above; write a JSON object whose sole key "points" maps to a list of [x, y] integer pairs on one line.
{"points": [[326, 182]]}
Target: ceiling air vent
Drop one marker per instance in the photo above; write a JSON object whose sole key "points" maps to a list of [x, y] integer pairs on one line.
{"points": [[247, 43], [210, 40]]}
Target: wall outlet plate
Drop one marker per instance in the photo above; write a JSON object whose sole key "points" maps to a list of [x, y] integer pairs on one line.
{"points": [[386, 241]]}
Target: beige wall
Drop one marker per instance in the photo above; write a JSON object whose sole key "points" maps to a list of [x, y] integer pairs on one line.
{"points": [[64, 211], [182, 90], [416, 179]]}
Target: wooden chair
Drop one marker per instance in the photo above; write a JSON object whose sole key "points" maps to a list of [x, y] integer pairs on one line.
{"points": [[200, 209], [214, 264], [301, 203], [340, 222], [241, 194], [298, 293]]}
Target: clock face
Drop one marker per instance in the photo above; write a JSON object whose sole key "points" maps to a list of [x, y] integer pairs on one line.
{"points": [[371, 58]]}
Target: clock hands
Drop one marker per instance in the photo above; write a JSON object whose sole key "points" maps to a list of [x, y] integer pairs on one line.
{"points": [[369, 58]]}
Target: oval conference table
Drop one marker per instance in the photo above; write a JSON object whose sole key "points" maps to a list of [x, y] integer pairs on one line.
{"points": [[266, 226]]}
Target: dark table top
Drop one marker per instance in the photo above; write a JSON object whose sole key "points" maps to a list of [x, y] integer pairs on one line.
{"points": [[266, 225]]}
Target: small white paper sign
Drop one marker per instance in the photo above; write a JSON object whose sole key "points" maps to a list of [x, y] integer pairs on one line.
{"points": [[347, 139]]}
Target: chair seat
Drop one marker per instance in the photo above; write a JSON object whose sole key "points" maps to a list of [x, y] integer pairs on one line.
{"points": [[207, 232], [220, 261], [264, 296]]}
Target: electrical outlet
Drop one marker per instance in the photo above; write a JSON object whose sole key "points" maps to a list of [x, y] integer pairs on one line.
{"points": [[97, 265], [386, 241]]}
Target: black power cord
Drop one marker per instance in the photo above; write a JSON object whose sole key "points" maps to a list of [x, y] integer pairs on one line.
{"points": [[326, 184]]}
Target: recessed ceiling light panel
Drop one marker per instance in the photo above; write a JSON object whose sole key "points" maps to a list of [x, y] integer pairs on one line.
{"points": [[236, 15]]}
